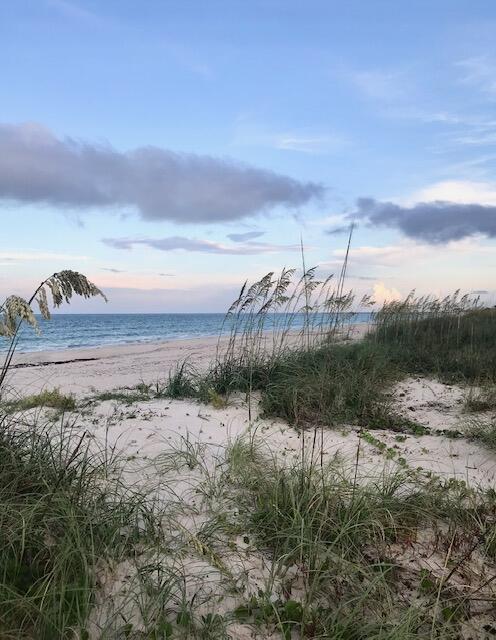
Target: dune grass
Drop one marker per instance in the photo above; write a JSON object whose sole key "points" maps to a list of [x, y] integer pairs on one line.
{"points": [[62, 520], [452, 338], [351, 553], [50, 398], [59, 521], [127, 397], [482, 431], [313, 375], [86, 553], [481, 399]]}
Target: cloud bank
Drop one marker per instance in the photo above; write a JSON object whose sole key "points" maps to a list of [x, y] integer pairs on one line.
{"points": [[433, 222], [172, 243], [36, 167]]}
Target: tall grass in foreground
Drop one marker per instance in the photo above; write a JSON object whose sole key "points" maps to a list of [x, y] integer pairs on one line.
{"points": [[59, 521], [394, 557], [56, 519]]}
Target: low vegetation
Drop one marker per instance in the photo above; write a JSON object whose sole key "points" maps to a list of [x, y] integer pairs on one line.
{"points": [[482, 431], [452, 339], [51, 399], [481, 399], [380, 558]]}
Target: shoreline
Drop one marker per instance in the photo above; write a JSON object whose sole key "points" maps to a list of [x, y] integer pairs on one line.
{"points": [[85, 371], [127, 343], [92, 339], [44, 357], [101, 351]]}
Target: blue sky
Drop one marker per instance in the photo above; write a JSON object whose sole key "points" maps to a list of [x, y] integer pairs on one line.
{"points": [[270, 119]]}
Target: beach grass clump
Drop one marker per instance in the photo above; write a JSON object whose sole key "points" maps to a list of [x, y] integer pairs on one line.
{"points": [[350, 554], [452, 338], [327, 384], [127, 397], [480, 399], [483, 431], [15, 312], [60, 524], [286, 340], [183, 382], [49, 398], [330, 385]]}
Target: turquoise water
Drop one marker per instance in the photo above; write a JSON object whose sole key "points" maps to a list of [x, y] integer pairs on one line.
{"points": [[72, 331]]}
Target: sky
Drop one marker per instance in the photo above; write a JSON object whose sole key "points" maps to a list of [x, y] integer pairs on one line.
{"points": [[170, 150]]}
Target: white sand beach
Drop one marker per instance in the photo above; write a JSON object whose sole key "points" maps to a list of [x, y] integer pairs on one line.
{"points": [[81, 371], [153, 436], [146, 426]]}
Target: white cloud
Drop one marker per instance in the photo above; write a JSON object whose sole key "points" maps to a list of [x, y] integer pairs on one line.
{"points": [[382, 294], [387, 256], [308, 144], [458, 191], [476, 138], [409, 252], [327, 221]]}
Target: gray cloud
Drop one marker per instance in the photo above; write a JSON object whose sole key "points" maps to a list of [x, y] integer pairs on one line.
{"points": [[38, 167], [172, 243], [433, 222], [338, 230], [113, 270], [479, 292], [242, 237]]}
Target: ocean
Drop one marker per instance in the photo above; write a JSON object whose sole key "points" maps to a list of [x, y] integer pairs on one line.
{"points": [[73, 331]]}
